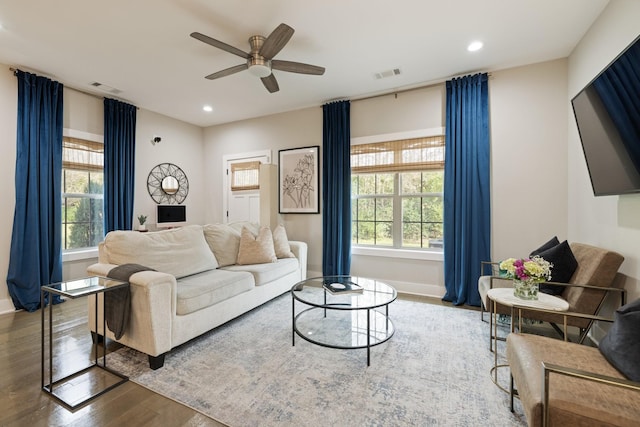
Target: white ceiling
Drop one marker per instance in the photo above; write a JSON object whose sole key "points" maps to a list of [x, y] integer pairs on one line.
{"points": [[143, 48]]}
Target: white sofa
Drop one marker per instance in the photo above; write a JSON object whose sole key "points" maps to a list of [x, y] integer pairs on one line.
{"points": [[198, 283]]}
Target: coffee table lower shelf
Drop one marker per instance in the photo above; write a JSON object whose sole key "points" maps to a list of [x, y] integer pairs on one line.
{"points": [[343, 329]]}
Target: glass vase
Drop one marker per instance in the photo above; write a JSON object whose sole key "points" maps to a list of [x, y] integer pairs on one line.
{"points": [[525, 290]]}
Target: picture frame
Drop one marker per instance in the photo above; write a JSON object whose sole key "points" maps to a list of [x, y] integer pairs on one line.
{"points": [[299, 180]]}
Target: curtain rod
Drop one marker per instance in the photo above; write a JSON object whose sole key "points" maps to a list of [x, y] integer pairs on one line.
{"points": [[396, 92], [15, 70]]}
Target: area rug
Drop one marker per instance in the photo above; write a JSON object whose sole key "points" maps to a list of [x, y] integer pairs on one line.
{"points": [[433, 371]]}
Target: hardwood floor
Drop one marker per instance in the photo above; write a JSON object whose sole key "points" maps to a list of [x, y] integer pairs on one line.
{"points": [[23, 403]]}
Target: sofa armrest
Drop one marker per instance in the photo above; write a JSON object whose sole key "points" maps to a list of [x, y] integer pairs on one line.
{"points": [[549, 368], [153, 307], [299, 249]]}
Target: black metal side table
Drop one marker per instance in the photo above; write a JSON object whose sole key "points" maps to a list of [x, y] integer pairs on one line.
{"points": [[75, 289]]}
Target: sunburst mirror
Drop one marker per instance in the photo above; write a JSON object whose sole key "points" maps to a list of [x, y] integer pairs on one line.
{"points": [[167, 184]]}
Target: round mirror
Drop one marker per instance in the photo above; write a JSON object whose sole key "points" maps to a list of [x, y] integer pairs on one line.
{"points": [[167, 184], [170, 185]]}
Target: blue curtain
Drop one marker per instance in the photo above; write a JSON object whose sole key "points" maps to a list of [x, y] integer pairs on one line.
{"points": [[336, 189], [619, 89], [119, 164], [467, 214], [36, 246]]}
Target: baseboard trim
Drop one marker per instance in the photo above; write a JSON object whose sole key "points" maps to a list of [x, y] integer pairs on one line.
{"points": [[6, 306]]}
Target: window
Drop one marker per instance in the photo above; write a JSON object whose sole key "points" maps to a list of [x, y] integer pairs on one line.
{"points": [[82, 193], [397, 193]]}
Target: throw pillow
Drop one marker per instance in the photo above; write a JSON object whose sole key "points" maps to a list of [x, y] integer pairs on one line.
{"points": [[256, 250], [548, 245], [224, 242], [621, 345], [281, 243], [564, 265]]}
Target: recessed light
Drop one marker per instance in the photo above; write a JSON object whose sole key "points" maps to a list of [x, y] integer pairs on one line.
{"points": [[474, 46], [208, 108]]}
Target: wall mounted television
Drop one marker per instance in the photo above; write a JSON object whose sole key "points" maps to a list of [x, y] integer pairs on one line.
{"points": [[607, 113], [168, 216]]}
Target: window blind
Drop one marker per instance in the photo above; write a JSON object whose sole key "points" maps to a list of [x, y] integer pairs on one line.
{"points": [[245, 176], [405, 155], [80, 154]]}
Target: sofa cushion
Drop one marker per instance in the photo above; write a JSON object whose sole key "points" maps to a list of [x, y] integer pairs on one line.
{"points": [[266, 273], [258, 249], [621, 345], [281, 243], [208, 288], [180, 251], [224, 241], [564, 265]]}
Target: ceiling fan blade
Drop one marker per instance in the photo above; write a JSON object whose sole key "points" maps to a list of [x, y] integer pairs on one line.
{"points": [[297, 67], [227, 71], [270, 83], [220, 45], [276, 41]]}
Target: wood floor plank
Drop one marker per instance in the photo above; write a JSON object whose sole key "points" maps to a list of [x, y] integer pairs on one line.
{"points": [[23, 403]]}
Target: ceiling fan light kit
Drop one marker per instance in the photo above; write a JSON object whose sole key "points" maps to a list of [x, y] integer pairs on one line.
{"points": [[259, 61]]}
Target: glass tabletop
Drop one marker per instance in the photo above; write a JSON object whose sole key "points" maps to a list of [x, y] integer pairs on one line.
{"points": [[373, 293], [86, 286]]}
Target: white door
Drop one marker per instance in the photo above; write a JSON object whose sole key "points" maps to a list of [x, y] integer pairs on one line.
{"points": [[242, 205]]}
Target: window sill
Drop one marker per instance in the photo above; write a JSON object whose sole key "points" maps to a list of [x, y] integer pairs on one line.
{"points": [[79, 255], [398, 253]]}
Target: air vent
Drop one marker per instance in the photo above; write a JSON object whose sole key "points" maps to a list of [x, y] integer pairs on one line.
{"points": [[105, 88], [388, 73]]}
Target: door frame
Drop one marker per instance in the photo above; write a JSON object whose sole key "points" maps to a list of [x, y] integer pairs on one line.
{"points": [[266, 154]]}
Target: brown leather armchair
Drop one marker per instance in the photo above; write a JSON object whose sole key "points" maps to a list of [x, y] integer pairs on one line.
{"points": [[585, 292]]}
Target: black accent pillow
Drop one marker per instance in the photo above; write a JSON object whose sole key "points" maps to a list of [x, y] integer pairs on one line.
{"points": [[621, 345], [550, 244], [564, 265]]}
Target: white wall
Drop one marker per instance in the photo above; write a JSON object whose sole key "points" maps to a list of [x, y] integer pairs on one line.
{"points": [[8, 115], [181, 145], [611, 221], [528, 157]]}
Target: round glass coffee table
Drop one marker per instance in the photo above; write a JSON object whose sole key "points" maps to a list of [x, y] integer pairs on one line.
{"points": [[342, 319]]}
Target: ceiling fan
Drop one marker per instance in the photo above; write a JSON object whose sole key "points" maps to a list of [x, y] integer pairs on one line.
{"points": [[259, 61]]}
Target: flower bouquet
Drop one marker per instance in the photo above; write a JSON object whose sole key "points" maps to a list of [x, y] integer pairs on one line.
{"points": [[526, 274]]}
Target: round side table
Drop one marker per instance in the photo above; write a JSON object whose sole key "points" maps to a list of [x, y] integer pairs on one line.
{"points": [[506, 297]]}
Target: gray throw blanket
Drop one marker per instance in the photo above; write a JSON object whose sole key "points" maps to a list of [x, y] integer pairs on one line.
{"points": [[118, 301]]}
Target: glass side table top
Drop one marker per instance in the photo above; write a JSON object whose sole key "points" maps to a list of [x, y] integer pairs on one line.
{"points": [[374, 294], [81, 287]]}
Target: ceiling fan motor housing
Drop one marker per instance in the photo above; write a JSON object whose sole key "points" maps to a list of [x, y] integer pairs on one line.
{"points": [[258, 65]]}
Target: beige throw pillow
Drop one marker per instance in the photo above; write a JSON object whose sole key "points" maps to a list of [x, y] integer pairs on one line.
{"points": [[256, 250], [224, 242], [281, 243]]}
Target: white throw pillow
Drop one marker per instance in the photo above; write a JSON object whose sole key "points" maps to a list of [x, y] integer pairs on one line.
{"points": [[281, 243], [224, 242], [181, 251], [256, 250]]}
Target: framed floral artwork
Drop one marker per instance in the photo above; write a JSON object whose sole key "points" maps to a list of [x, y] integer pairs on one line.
{"points": [[298, 178]]}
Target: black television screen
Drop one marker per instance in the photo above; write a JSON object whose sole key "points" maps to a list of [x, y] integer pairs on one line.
{"points": [[607, 113], [171, 215]]}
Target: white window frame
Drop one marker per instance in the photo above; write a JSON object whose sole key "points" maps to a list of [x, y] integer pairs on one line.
{"points": [[404, 253], [70, 255]]}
